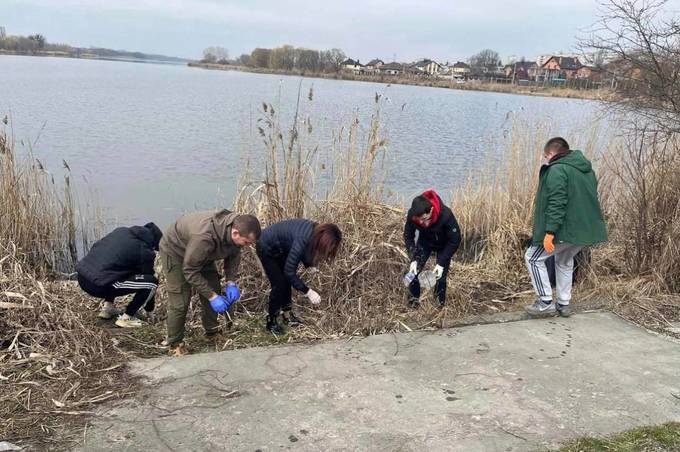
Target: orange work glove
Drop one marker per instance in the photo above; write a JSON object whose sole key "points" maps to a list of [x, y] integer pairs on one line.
{"points": [[548, 244]]}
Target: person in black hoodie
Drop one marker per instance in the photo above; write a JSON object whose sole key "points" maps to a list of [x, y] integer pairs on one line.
{"points": [[122, 263], [281, 248], [438, 231]]}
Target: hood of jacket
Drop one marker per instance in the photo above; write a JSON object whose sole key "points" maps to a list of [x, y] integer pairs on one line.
{"points": [[149, 234], [575, 159]]}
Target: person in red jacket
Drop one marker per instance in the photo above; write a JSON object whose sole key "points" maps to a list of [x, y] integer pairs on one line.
{"points": [[438, 232]]}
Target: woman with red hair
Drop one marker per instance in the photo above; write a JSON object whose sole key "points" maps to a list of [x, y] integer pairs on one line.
{"points": [[281, 248]]}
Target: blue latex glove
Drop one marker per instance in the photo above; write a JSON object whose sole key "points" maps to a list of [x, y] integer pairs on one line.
{"points": [[232, 293], [219, 304]]}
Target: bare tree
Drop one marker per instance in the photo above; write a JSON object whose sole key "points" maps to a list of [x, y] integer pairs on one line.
{"points": [[216, 55], [485, 58], [643, 48], [260, 57]]}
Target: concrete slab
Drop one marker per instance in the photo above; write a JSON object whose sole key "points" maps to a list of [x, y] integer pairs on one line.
{"points": [[519, 386]]}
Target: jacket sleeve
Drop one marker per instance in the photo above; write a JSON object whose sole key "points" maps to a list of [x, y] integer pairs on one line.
{"points": [[231, 265], [195, 258], [410, 238], [452, 242], [292, 262], [556, 206]]}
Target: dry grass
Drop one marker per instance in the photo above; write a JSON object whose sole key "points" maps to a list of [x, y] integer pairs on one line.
{"points": [[57, 364]]}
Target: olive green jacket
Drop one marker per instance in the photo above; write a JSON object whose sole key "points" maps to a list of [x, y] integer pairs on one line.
{"points": [[567, 204]]}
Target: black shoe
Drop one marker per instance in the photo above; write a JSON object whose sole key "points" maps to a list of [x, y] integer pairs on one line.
{"points": [[563, 310], [274, 326], [290, 319], [413, 303]]}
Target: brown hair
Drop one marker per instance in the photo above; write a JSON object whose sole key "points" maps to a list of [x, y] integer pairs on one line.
{"points": [[325, 242], [246, 225]]}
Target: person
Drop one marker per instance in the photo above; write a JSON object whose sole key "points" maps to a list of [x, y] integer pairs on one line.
{"points": [[281, 249], [567, 218], [438, 231], [188, 252], [119, 264]]}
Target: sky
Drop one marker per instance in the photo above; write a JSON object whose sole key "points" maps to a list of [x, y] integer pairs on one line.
{"points": [[444, 30]]}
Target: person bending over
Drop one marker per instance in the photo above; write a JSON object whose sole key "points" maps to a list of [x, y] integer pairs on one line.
{"points": [[281, 249], [119, 264], [437, 231], [189, 250]]}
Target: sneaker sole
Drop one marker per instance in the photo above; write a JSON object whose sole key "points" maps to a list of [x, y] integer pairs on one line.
{"points": [[127, 325], [541, 315]]}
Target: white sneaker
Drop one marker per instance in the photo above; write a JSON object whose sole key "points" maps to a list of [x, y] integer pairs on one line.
{"points": [[540, 309], [125, 321], [108, 312]]}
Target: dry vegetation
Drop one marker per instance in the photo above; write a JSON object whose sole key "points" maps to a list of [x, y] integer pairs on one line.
{"points": [[57, 362]]}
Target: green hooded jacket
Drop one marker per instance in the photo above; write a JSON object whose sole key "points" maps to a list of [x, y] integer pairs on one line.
{"points": [[567, 204]]}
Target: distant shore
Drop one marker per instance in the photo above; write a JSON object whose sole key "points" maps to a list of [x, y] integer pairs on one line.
{"points": [[90, 56], [552, 91]]}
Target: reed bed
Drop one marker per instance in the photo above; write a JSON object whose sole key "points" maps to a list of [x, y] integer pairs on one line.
{"points": [[57, 363]]}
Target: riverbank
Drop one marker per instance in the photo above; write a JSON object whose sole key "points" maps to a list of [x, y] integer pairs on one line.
{"points": [[600, 95], [59, 362]]}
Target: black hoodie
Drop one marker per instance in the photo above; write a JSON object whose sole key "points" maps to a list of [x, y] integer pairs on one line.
{"points": [[120, 254], [442, 236]]}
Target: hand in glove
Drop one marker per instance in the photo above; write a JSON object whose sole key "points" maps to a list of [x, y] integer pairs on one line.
{"points": [[548, 244], [438, 272], [219, 304], [232, 293], [413, 268], [314, 297]]}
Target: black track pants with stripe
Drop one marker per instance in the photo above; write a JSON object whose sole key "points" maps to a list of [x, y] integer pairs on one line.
{"points": [[142, 286]]}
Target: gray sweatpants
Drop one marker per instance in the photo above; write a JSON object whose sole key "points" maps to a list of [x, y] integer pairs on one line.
{"points": [[535, 258]]}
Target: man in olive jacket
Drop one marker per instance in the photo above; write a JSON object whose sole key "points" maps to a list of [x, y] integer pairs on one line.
{"points": [[188, 251], [567, 217]]}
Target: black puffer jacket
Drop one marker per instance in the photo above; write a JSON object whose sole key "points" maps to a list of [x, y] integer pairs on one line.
{"points": [[443, 235], [289, 241], [121, 253]]}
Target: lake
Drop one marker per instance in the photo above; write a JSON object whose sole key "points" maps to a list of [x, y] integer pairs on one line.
{"points": [[152, 141]]}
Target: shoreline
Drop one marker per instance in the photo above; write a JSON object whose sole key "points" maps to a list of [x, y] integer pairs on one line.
{"points": [[87, 56], [603, 95]]}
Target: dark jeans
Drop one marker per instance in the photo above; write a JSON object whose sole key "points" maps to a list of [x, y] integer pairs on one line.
{"points": [[280, 295], [423, 252], [143, 286]]}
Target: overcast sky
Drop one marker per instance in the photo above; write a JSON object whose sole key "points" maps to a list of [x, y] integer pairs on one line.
{"points": [[446, 30]]}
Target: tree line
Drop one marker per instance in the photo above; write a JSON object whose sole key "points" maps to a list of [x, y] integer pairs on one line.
{"points": [[286, 58]]}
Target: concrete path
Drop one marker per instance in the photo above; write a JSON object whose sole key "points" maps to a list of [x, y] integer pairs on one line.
{"points": [[528, 385]]}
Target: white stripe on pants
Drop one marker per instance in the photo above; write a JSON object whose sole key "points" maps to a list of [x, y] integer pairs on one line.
{"points": [[535, 258]]}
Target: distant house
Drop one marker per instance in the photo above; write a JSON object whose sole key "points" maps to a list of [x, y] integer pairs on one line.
{"points": [[352, 66], [393, 68], [461, 69], [589, 73], [560, 67], [521, 70], [427, 66], [373, 65]]}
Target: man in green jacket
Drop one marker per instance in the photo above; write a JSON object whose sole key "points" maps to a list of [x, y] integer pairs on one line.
{"points": [[567, 218], [188, 251]]}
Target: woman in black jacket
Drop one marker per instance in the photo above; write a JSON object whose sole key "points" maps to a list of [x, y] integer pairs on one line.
{"points": [[281, 248]]}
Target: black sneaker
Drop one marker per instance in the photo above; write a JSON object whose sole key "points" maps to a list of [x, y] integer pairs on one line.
{"points": [[274, 326], [563, 310], [289, 318], [413, 303]]}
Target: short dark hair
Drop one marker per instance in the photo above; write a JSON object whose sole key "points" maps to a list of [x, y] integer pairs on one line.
{"points": [[325, 242], [420, 206], [248, 224], [558, 143]]}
